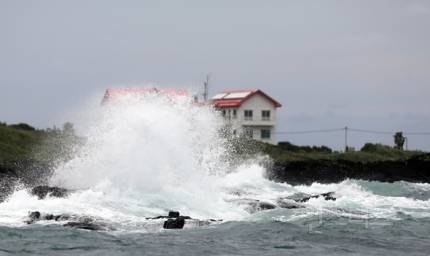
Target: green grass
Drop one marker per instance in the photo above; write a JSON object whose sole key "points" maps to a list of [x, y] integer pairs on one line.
{"points": [[19, 143], [16, 144]]}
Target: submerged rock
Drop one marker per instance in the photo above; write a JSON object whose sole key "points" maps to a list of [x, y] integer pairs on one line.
{"points": [[288, 204], [88, 224], [302, 197], [83, 225], [262, 206], [254, 205], [43, 191], [82, 222]]}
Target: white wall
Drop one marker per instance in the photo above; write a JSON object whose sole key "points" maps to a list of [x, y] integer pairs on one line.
{"points": [[257, 104]]}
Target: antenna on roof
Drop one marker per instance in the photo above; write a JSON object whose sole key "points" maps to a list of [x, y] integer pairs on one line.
{"points": [[206, 88]]}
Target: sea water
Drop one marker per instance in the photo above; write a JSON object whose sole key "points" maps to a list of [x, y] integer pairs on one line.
{"points": [[146, 156]]}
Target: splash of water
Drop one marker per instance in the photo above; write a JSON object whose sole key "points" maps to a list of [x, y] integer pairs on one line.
{"points": [[162, 153], [146, 156]]}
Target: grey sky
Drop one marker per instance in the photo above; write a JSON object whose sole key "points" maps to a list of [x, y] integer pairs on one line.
{"points": [[364, 64]]}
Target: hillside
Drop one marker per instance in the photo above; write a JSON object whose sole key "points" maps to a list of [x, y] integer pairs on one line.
{"points": [[369, 153], [17, 144], [22, 142]]}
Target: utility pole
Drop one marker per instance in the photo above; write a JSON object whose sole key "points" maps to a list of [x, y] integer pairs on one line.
{"points": [[346, 138], [206, 88], [406, 140]]}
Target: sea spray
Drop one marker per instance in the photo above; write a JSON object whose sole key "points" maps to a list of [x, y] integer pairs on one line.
{"points": [[163, 153], [146, 156]]}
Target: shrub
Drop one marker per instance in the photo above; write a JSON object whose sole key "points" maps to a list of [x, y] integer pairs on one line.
{"points": [[285, 145], [23, 126]]}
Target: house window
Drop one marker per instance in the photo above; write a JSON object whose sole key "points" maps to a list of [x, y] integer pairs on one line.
{"points": [[248, 115], [234, 113], [265, 134], [249, 133], [223, 113], [265, 115]]}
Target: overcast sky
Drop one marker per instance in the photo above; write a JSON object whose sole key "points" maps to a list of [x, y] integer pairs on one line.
{"points": [[362, 64]]}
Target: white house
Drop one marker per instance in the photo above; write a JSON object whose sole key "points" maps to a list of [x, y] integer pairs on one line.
{"points": [[249, 112]]}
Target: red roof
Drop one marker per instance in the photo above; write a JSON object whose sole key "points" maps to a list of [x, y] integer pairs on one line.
{"points": [[235, 98], [115, 94]]}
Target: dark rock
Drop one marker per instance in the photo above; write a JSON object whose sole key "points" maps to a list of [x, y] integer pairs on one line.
{"points": [[265, 206], [173, 214], [329, 196], [157, 218], [299, 197], [415, 169], [33, 217], [177, 223], [254, 205], [49, 217], [303, 198], [288, 204], [43, 191], [37, 216], [214, 220], [62, 217], [84, 222], [85, 225]]}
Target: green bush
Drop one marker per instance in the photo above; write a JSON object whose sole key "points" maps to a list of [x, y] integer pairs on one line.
{"points": [[23, 126], [291, 147]]}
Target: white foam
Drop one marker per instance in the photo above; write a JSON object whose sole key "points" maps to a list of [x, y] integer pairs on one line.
{"points": [[144, 158]]}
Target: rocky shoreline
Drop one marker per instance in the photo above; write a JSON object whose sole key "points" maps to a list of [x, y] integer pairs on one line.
{"points": [[304, 172], [174, 220], [415, 169]]}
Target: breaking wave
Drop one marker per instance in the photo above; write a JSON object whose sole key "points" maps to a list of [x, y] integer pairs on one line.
{"points": [[144, 157]]}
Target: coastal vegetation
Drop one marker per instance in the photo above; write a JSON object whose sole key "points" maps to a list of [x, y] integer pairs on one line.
{"points": [[22, 141], [370, 152], [28, 154]]}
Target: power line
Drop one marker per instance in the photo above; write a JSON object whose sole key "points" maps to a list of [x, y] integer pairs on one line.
{"points": [[346, 129], [370, 131], [417, 133], [351, 129], [311, 131]]}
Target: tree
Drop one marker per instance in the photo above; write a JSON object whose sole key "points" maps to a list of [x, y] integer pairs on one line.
{"points": [[399, 140], [68, 128]]}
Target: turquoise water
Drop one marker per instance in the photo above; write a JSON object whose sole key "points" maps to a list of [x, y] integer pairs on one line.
{"points": [[146, 156], [332, 228]]}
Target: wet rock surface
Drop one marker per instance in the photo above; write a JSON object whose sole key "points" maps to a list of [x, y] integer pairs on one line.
{"points": [[295, 201], [43, 191], [254, 205], [177, 223], [415, 169], [172, 221], [80, 222], [302, 197]]}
